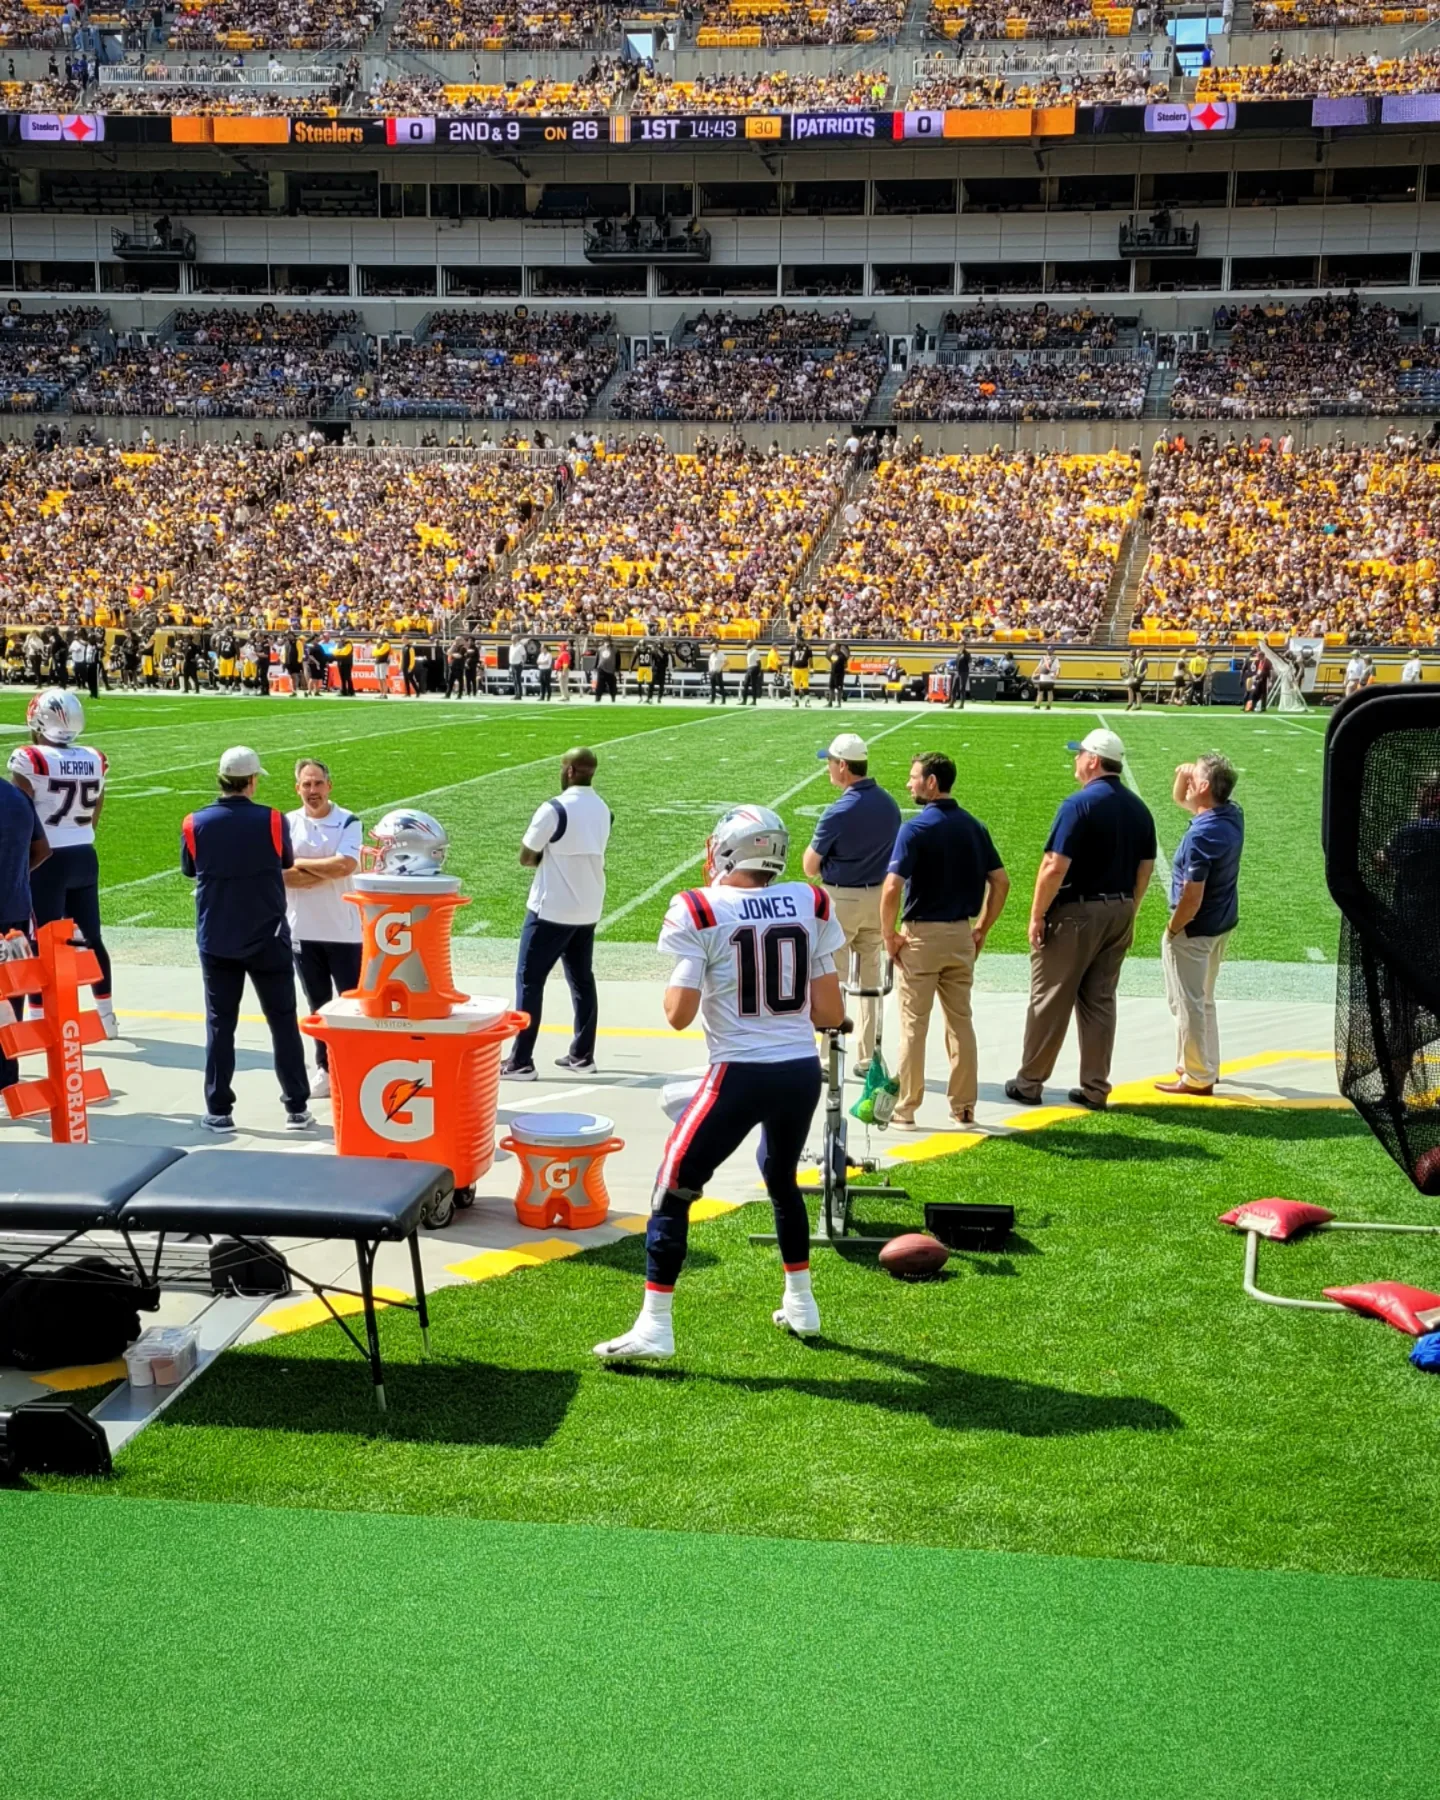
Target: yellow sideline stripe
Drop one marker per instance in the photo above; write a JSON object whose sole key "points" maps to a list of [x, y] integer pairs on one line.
{"points": [[313, 1312], [633, 1031]]}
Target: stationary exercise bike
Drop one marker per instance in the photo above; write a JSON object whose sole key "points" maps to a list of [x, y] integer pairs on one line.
{"points": [[832, 1226]]}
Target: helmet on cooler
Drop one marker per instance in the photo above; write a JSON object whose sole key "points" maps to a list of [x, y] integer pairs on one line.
{"points": [[56, 716], [409, 843], [748, 837]]}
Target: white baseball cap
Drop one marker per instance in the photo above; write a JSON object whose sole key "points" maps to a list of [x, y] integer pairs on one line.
{"points": [[1101, 743], [240, 760], [848, 747]]}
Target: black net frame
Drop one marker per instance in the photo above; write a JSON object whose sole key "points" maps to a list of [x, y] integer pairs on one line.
{"points": [[1380, 829]]}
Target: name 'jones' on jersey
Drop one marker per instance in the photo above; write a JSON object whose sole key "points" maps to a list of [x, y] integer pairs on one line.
{"points": [[67, 784], [753, 953]]}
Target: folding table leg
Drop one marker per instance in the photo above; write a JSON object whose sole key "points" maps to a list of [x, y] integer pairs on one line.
{"points": [[420, 1307], [365, 1254]]}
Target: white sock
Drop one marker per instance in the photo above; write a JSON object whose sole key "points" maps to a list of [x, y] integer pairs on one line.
{"points": [[797, 1281], [656, 1306], [104, 1005]]}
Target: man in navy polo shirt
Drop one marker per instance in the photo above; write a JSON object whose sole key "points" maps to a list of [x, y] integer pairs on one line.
{"points": [[1097, 864], [850, 853], [954, 887], [1204, 910], [236, 853], [23, 847]]}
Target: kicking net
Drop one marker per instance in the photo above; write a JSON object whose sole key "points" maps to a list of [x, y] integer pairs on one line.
{"points": [[1381, 834]]}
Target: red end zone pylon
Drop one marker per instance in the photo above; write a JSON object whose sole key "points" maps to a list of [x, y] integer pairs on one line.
{"points": [[57, 972]]}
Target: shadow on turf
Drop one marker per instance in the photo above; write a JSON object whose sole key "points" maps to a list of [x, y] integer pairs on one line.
{"points": [[1081, 1142], [429, 1403], [950, 1399]]}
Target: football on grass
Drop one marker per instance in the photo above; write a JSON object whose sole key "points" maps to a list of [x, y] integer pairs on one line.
{"points": [[915, 1257]]}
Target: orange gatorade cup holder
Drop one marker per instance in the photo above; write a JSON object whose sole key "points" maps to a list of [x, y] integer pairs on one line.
{"points": [[428, 1093], [405, 926], [562, 1176]]}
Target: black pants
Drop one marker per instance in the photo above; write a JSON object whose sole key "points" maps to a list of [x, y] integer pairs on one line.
{"points": [[272, 975], [542, 945], [750, 686], [67, 886], [959, 691], [546, 678], [412, 686], [835, 693], [455, 681], [326, 970], [470, 673], [9, 1068], [731, 1101], [606, 683], [517, 682], [92, 678], [717, 688], [346, 666]]}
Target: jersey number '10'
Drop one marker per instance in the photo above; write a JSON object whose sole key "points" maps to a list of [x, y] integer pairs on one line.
{"points": [[778, 969]]}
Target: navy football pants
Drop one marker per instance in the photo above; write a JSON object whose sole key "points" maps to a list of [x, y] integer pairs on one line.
{"points": [[732, 1100], [67, 886]]}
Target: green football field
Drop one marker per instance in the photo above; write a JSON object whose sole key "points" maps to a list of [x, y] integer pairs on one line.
{"points": [[668, 772]]}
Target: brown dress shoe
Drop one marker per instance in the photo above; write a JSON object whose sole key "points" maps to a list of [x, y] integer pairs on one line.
{"points": [[1181, 1086]]}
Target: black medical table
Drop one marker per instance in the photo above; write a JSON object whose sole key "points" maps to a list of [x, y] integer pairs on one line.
{"points": [[202, 1223]]}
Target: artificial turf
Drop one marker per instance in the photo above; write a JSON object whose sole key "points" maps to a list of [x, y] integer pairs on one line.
{"points": [[668, 772], [164, 1652], [1102, 1388]]}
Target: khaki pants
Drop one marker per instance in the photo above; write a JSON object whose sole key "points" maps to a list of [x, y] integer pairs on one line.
{"points": [[1191, 965], [857, 912], [1077, 970], [938, 963]]}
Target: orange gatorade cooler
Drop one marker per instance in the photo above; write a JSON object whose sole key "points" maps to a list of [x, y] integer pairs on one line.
{"points": [[405, 926], [562, 1179], [425, 1090]]}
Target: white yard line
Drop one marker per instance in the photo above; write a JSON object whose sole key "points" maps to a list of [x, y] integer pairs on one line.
{"points": [[358, 737], [672, 875], [1162, 861], [117, 887], [604, 747], [135, 918]]}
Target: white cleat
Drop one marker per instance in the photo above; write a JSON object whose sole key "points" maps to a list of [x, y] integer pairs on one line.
{"points": [[638, 1346], [800, 1314]]}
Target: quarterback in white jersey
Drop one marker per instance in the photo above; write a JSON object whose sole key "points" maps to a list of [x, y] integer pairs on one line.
{"points": [[755, 960], [66, 781]]}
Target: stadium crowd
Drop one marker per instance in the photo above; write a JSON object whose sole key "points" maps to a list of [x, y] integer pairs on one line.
{"points": [[260, 537], [986, 327], [484, 25], [1333, 15], [799, 22], [558, 383], [600, 90], [736, 385], [773, 91], [1304, 76], [273, 24], [1329, 354], [673, 542], [1260, 536], [943, 545], [980, 86], [1042, 18], [1025, 388]]}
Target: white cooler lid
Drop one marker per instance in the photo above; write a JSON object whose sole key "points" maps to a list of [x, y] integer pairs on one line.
{"points": [[561, 1130], [478, 1013]]}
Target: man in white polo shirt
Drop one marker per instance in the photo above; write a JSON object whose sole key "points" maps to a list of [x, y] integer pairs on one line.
{"points": [[324, 930], [565, 845]]}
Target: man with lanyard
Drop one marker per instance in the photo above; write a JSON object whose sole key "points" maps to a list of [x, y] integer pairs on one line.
{"points": [[1205, 909], [850, 853], [237, 853], [1097, 864], [565, 846], [324, 930], [23, 847], [948, 874]]}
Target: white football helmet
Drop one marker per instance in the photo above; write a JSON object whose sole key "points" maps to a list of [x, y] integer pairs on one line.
{"points": [[55, 716], [409, 843], [748, 837]]}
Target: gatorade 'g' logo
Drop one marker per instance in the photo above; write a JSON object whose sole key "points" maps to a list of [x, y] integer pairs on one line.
{"points": [[392, 933], [397, 1101]]}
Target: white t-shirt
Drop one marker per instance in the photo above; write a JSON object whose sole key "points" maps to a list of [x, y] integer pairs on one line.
{"points": [[318, 915], [67, 781], [1355, 669], [569, 834], [752, 952], [1414, 670], [717, 662]]}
